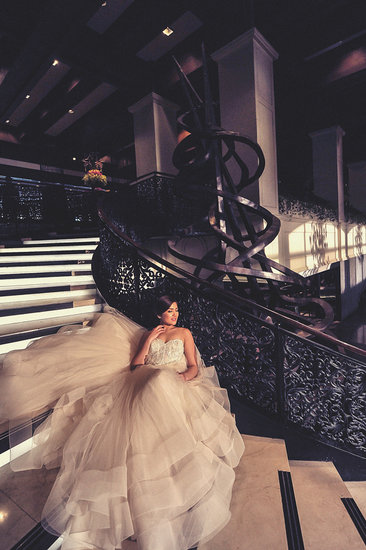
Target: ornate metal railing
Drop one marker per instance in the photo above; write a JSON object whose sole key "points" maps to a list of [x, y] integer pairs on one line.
{"points": [[27, 202], [307, 384]]}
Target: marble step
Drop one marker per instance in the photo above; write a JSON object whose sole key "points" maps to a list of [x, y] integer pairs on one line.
{"points": [[52, 281], [36, 258], [257, 520], [39, 320], [51, 248], [25, 339], [61, 241], [324, 520], [357, 490], [36, 269], [42, 298]]}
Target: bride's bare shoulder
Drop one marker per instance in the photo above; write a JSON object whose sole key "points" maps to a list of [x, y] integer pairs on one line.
{"points": [[184, 333]]}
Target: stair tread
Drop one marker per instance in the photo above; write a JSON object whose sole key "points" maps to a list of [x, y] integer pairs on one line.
{"points": [[25, 282], [59, 248], [80, 240], [72, 315], [19, 259], [325, 522], [21, 339], [357, 490], [256, 507], [34, 315], [24, 300], [36, 269]]}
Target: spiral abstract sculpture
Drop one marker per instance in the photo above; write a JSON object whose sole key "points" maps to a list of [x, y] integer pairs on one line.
{"points": [[203, 160]]}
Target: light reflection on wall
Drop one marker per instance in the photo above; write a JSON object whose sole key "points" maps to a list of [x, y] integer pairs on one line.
{"points": [[305, 246]]}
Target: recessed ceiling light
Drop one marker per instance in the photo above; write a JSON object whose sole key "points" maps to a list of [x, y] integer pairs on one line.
{"points": [[73, 158], [71, 111], [168, 31], [104, 4], [55, 63], [7, 121], [27, 96]]}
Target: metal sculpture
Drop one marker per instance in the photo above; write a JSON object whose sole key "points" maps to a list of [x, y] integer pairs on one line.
{"points": [[239, 255]]}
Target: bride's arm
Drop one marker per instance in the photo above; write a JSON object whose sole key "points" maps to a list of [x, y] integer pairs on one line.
{"points": [[190, 353], [144, 346]]}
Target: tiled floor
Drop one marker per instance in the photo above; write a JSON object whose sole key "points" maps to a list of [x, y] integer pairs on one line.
{"points": [[22, 496]]}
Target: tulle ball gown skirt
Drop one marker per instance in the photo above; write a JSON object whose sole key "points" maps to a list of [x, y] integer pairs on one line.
{"points": [[142, 454]]}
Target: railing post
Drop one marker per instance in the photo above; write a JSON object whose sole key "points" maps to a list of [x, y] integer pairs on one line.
{"points": [[280, 371]]}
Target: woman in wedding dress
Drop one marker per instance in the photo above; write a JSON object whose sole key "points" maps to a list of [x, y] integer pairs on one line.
{"points": [[140, 428]]}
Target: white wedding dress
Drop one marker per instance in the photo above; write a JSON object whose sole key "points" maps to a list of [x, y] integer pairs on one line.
{"points": [[142, 454]]}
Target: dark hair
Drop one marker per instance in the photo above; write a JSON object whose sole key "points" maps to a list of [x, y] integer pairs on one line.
{"points": [[163, 303]]}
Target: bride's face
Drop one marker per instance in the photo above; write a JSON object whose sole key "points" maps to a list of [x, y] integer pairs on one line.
{"points": [[170, 316]]}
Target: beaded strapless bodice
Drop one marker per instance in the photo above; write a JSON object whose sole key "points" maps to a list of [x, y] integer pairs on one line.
{"points": [[162, 353]]}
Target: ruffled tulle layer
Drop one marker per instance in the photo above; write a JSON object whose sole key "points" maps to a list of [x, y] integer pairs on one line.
{"points": [[143, 454]]}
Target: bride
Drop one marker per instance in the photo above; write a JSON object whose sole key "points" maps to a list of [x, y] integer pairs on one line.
{"points": [[140, 428]]}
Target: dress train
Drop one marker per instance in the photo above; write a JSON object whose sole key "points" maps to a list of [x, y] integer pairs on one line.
{"points": [[141, 453]]}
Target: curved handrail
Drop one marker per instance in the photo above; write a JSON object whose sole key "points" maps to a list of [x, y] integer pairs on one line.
{"points": [[325, 338]]}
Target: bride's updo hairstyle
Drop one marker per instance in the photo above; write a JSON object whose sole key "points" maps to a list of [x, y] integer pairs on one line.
{"points": [[162, 304]]}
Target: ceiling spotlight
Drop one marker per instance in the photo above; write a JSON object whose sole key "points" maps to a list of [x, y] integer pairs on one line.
{"points": [[55, 63], [7, 121], [27, 96], [73, 158], [168, 31], [71, 111]]}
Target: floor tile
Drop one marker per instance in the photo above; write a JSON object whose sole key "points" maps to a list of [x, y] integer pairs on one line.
{"points": [[358, 493], [28, 489], [14, 522]]}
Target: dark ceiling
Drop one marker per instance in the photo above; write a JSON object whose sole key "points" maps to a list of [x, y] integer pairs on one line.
{"points": [[110, 56]]}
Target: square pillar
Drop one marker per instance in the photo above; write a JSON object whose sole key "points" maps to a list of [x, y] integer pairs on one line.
{"points": [[328, 166], [247, 105], [155, 128]]}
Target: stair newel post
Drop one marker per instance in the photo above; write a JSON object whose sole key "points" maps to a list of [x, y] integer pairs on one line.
{"points": [[279, 354]]}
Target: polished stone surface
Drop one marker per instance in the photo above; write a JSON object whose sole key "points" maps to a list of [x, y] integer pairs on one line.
{"points": [[358, 493], [29, 489], [257, 518], [325, 522], [14, 522]]}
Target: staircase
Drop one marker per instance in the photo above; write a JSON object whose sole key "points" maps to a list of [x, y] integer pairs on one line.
{"points": [[277, 504], [45, 284]]}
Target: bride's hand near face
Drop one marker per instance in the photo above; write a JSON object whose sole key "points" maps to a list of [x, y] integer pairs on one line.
{"points": [[155, 332]]}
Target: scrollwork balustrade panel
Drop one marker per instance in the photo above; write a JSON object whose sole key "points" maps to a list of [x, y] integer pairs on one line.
{"points": [[325, 392]]}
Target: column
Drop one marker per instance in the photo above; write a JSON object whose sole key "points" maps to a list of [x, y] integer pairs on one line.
{"points": [[247, 106], [155, 128], [328, 166]]}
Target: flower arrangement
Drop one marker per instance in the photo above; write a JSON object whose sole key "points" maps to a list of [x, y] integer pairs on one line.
{"points": [[95, 178]]}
